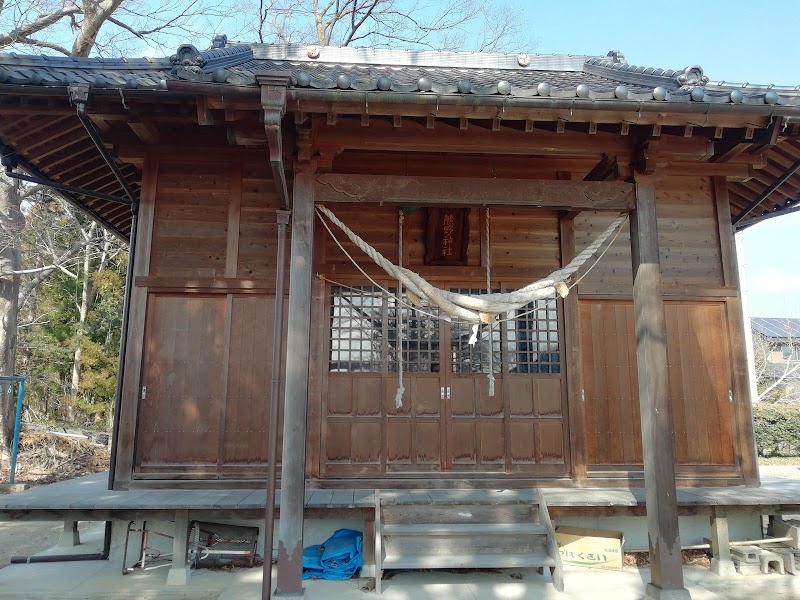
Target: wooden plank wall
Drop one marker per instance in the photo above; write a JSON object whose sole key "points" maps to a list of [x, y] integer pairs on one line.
{"points": [[688, 236], [698, 296], [206, 363]]}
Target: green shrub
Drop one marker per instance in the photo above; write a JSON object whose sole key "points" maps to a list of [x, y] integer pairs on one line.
{"points": [[777, 429]]}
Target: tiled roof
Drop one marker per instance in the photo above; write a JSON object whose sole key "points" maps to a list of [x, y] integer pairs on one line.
{"points": [[423, 72], [778, 328]]}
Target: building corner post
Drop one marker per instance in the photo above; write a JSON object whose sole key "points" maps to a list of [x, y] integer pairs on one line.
{"points": [[290, 542], [651, 357]]}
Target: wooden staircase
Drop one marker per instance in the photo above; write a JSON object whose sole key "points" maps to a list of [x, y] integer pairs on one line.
{"points": [[465, 530]]}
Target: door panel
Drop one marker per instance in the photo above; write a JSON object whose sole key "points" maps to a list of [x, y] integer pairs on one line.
{"points": [[699, 380], [182, 382], [447, 422]]}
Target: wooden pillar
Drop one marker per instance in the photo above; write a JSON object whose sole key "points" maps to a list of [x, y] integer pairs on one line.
{"points": [[290, 541], [576, 419], [651, 357]]}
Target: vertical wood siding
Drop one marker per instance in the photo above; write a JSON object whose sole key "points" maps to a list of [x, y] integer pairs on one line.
{"points": [[688, 237], [698, 358], [207, 355]]}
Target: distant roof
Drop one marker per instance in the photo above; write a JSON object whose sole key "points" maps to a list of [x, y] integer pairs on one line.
{"points": [[607, 77], [780, 328]]}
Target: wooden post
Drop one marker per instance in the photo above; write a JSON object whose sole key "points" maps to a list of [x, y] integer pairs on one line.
{"points": [[651, 357], [290, 542], [577, 438]]}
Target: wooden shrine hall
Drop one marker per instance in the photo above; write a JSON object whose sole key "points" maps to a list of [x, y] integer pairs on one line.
{"points": [[255, 327]]}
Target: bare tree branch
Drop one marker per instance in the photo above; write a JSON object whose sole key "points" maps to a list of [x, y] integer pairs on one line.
{"points": [[37, 25]]}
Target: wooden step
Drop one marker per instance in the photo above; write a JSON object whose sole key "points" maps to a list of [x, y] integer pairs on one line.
{"points": [[468, 561], [465, 534], [463, 528]]}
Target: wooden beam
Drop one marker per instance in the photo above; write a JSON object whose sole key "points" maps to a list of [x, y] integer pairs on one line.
{"points": [[666, 575], [204, 114], [603, 170], [737, 322], [395, 189], [145, 130], [290, 544], [132, 371]]}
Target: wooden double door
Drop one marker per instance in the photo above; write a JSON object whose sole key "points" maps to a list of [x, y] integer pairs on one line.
{"points": [[700, 385], [448, 422]]}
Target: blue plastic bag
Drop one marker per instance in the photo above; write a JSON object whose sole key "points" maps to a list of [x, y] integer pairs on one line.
{"points": [[339, 557]]}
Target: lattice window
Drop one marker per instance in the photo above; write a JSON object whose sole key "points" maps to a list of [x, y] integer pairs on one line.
{"points": [[474, 359], [420, 335], [533, 343], [356, 329]]}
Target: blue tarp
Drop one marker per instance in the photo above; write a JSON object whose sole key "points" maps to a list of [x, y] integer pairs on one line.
{"points": [[339, 557]]}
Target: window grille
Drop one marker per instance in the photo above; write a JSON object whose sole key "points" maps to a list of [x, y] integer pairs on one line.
{"points": [[474, 359], [533, 344], [356, 329], [420, 338], [364, 331]]}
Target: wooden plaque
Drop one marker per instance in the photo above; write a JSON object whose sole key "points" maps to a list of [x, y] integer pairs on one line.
{"points": [[447, 236]]}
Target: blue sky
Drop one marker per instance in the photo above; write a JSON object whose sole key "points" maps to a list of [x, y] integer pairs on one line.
{"points": [[733, 40]]}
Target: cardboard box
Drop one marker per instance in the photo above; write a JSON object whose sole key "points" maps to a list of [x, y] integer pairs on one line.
{"points": [[591, 548]]}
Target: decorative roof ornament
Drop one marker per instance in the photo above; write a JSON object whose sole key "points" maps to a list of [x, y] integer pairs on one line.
{"points": [[220, 41], [187, 56], [617, 57], [691, 77]]}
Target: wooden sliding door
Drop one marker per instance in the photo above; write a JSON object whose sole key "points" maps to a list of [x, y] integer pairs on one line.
{"points": [[448, 421]]}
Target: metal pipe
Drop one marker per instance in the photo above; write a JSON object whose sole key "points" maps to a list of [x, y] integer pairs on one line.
{"points": [[272, 446], [17, 560], [98, 142], [68, 188], [792, 208], [765, 194], [123, 343], [17, 424]]}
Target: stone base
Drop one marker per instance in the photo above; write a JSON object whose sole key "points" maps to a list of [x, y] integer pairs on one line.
{"points": [[653, 592], [289, 595], [748, 569], [722, 567], [178, 576], [9, 488], [70, 536]]}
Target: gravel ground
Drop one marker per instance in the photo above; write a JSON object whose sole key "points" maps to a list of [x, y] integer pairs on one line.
{"points": [[780, 471], [23, 538]]}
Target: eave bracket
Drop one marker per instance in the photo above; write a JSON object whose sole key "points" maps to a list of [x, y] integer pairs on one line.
{"points": [[273, 102]]}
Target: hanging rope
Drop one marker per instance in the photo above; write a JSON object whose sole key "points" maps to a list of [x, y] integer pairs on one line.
{"points": [[398, 397], [483, 308], [489, 291]]}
